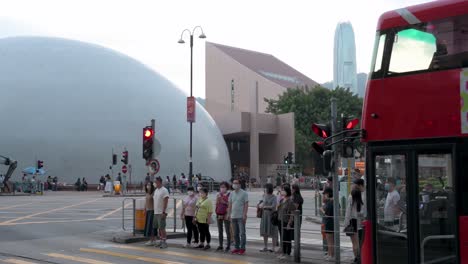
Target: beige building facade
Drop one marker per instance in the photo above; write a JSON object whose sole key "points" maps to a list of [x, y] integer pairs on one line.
{"points": [[237, 81]]}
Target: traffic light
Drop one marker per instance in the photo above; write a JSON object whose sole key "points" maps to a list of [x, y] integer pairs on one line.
{"points": [[148, 141], [321, 130], [125, 157], [285, 160], [290, 158], [114, 159], [348, 144], [40, 164]]}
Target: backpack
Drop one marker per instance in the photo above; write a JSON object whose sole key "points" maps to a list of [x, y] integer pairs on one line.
{"points": [[221, 209]]}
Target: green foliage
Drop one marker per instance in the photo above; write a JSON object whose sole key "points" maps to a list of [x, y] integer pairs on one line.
{"points": [[312, 106]]}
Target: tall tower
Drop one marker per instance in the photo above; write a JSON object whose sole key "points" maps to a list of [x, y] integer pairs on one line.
{"points": [[344, 64]]}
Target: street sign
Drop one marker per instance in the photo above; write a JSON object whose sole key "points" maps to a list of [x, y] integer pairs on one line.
{"points": [[191, 109], [156, 147], [124, 169], [153, 166]]}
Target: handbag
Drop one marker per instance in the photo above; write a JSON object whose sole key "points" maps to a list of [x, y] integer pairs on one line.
{"points": [[259, 210], [349, 229]]}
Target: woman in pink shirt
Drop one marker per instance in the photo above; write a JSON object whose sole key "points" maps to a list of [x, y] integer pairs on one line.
{"points": [[187, 215]]}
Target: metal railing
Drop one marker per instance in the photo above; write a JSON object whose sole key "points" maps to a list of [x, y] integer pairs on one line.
{"points": [[130, 214]]}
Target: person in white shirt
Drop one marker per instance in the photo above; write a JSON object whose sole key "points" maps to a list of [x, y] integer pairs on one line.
{"points": [[161, 199], [391, 209]]}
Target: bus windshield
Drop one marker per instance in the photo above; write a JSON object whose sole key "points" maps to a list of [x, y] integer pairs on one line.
{"points": [[425, 47]]}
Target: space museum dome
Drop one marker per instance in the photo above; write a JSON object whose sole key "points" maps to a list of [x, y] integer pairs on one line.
{"points": [[70, 104]]}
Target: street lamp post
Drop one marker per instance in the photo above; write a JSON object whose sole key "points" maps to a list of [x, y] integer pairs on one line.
{"points": [[181, 41]]}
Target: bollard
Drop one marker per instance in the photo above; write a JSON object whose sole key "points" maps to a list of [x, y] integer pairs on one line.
{"points": [[139, 218], [175, 214], [134, 218], [297, 236]]}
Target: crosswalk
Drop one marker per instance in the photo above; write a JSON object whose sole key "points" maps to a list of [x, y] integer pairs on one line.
{"points": [[118, 253]]}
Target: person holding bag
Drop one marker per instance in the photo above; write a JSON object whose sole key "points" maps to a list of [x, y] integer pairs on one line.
{"points": [[188, 214], [267, 229], [353, 218], [222, 204], [204, 210]]}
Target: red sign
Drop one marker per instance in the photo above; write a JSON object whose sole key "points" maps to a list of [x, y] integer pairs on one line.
{"points": [[191, 109], [124, 169]]}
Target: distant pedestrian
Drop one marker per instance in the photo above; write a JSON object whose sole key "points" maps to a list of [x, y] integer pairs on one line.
{"points": [[222, 204], [183, 184], [55, 183], [327, 220], [238, 208], [84, 185], [269, 179], [147, 178], [102, 183], [161, 199], [297, 199], [78, 184], [49, 183], [267, 229], [174, 182], [286, 217], [119, 178], [149, 214], [278, 180], [167, 183], [188, 215], [203, 213]]}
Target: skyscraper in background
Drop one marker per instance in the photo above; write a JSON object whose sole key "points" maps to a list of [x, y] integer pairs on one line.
{"points": [[344, 64]]}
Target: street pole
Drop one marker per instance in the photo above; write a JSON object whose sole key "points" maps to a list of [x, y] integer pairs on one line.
{"points": [[153, 127], [191, 123], [349, 175], [336, 195]]}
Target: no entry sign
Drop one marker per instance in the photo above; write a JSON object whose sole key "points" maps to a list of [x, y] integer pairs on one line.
{"points": [[124, 169]]}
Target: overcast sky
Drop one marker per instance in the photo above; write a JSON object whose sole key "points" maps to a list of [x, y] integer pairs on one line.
{"points": [[299, 32]]}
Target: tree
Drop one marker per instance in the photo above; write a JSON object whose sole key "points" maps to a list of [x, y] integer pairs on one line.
{"points": [[312, 106]]}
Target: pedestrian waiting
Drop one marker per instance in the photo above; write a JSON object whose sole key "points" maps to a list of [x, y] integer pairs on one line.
{"points": [[149, 214], [286, 215], [238, 207], [222, 204], [353, 218], [188, 215], [327, 220], [267, 229], [203, 213], [161, 199]]}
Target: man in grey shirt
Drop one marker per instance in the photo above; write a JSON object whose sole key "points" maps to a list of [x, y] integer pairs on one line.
{"points": [[237, 212]]}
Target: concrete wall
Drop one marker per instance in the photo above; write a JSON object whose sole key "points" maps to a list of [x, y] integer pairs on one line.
{"points": [[220, 70]]}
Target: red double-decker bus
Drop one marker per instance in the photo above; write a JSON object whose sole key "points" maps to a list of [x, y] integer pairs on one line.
{"points": [[415, 118]]}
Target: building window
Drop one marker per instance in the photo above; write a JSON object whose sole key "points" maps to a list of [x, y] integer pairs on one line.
{"points": [[232, 95]]}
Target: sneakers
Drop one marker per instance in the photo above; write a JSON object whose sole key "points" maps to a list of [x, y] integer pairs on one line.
{"points": [[241, 252], [187, 245], [200, 246], [163, 245], [207, 247], [149, 243], [235, 251], [157, 244], [228, 249], [220, 248], [264, 250]]}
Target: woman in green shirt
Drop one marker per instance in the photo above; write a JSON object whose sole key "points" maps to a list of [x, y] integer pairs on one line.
{"points": [[203, 212]]}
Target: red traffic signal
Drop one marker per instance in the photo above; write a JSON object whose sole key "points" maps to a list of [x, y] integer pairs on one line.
{"points": [[40, 164], [148, 132], [125, 157], [352, 124], [320, 130]]}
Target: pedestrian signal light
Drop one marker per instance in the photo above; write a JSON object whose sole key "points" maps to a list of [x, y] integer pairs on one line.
{"points": [[321, 130], [352, 124]]}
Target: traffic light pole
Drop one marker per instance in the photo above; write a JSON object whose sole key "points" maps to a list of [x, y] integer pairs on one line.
{"points": [[336, 195], [153, 126]]}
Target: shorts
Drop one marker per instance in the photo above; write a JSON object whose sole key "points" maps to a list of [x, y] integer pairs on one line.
{"points": [[159, 221]]}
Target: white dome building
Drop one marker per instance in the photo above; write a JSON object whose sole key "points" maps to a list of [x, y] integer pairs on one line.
{"points": [[70, 103]]}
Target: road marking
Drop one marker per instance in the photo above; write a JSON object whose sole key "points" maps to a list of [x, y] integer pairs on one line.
{"points": [[46, 212], [180, 254], [112, 212], [13, 206], [129, 256], [78, 259], [58, 221], [17, 261]]}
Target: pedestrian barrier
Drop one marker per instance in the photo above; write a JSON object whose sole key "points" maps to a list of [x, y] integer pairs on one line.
{"points": [[134, 215], [29, 187]]}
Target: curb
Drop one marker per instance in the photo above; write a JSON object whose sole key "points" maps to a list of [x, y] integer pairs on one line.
{"points": [[128, 239], [125, 195]]}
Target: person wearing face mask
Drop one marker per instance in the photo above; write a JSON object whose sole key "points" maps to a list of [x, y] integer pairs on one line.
{"points": [[199, 187], [286, 216], [222, 204], [188, 214], [149, 213], [328, 221], [267, 229], [391, 209], [203, 212], [237, 213]]}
